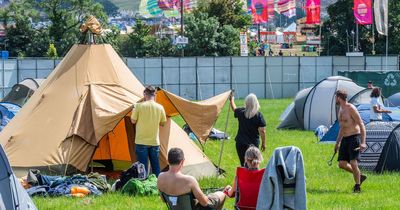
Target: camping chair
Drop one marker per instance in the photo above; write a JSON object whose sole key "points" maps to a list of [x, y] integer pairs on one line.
{"points": [[180, 202], [248, 185]]}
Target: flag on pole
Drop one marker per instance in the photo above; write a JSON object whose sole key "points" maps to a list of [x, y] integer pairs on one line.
{"points": [[381, 16], [363, 12], [313, 10], [259, 11], [271, 11], [287, 7]]}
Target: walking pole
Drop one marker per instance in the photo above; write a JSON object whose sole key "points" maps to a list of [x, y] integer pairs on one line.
{"points": [[225, 135]]}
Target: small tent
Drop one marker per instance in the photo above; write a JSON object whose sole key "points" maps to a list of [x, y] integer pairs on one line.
{"points": [[316, 106], [12, 194], [389, 160], [393, 100], [7, 112], [22, 91], [377, 135], [81, 113]]}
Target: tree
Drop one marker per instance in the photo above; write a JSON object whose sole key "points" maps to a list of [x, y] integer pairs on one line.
{"points": [[135, 44], [227, 12], [337, 30], [202, 32], [21, 38], [52, 51], [66, 16]]}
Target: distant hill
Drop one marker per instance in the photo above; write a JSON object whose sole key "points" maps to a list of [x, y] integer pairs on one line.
{"points": [[127, 4]]}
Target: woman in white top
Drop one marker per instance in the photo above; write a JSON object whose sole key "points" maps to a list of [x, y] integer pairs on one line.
{"points": [[376, 109]]}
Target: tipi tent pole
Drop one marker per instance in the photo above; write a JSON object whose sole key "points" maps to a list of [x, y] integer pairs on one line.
{"points": [[223, 139]]}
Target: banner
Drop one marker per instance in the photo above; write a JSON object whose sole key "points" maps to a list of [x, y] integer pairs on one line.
{"points": [[388, 81], [363, 12], [287, 7], [313, 10], [381, 16], [259, 11], [244, 51]]}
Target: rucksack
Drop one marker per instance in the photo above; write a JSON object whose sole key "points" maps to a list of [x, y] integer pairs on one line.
{"points": [[137, 170]]}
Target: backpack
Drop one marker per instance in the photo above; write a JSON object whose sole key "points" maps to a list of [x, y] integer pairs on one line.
{"points": [[137, 171]]}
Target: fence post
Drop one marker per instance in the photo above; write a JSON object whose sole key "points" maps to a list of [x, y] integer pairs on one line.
{"points": [[197, 80]]}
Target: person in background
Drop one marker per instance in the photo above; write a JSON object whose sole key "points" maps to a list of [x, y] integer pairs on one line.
{"points": [[251, 125], [148, 116], [369, 85], [280, 53], [253, 159], [174, 183], [376, 108], [351, 139]]}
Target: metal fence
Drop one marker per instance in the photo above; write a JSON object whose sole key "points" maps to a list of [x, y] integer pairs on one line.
{"points": [[202, 77]]}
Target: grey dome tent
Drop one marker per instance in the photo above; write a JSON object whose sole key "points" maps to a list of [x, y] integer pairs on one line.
{"points": [[316, 106], [393, 100], [22, 91], [12, 194]]}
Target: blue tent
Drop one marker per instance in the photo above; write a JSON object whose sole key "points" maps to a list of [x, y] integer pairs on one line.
{"points": [[7, 112], [364, 110], [12, 195]]}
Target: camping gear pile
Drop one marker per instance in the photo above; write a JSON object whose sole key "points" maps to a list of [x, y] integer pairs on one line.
{"points": [[134, 181], [76, 186]]}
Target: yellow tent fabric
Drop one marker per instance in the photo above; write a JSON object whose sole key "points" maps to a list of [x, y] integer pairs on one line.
{"points": [[200, 116], [81, 112]]}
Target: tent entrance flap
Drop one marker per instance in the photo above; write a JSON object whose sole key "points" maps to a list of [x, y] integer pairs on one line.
{"points": [[119, 144]]}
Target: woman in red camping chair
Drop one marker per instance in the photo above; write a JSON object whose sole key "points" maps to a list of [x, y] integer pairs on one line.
{"points": [[247, 181]]}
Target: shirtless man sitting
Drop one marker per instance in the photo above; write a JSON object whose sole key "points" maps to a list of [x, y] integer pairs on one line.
{"points": [[351, 139], [174, 183]]}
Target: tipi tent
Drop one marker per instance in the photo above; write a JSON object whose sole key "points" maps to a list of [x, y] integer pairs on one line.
{"points": [[81, 112], [22, 91], [316, 106], [12, 194]]}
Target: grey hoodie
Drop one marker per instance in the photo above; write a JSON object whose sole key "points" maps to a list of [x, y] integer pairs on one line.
{"points": [[283, 185]]}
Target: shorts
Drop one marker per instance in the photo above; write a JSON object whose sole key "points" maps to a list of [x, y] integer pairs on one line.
{"points": [[213, 203], [348, 148]]}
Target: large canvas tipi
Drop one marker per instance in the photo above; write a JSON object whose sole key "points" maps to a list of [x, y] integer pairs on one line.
{"points": [[81, 113]]}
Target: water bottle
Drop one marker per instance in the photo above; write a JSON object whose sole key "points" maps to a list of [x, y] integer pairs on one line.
{"points": [[141, 171]]}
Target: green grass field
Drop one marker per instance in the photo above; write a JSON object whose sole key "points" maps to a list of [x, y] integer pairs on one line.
{"points": [[327, 187]]}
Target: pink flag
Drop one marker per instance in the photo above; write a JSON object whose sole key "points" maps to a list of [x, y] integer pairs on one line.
{"points": [[313, 9], [259, 11], [363, 11]]}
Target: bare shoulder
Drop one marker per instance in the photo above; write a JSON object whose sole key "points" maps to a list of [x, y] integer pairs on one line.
{"points": [[352, 107]]}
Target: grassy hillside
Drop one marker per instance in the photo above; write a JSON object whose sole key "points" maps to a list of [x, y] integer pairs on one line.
{"points": [[127, 4]]}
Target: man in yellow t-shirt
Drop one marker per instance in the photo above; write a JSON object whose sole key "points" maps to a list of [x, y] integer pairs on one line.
{"points": [[148, 116]]}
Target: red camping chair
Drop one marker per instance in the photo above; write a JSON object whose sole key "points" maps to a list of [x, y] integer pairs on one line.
{"points": [[248, 185]]}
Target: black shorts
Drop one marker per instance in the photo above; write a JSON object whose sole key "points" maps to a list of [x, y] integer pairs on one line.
{"points": [[348, 148], [213, 203]]}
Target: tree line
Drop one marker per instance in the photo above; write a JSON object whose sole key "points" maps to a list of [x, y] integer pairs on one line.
{"points": [[212, 28]]}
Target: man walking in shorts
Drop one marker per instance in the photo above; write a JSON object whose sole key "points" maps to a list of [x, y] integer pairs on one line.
{"points": [[351, 139]]}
